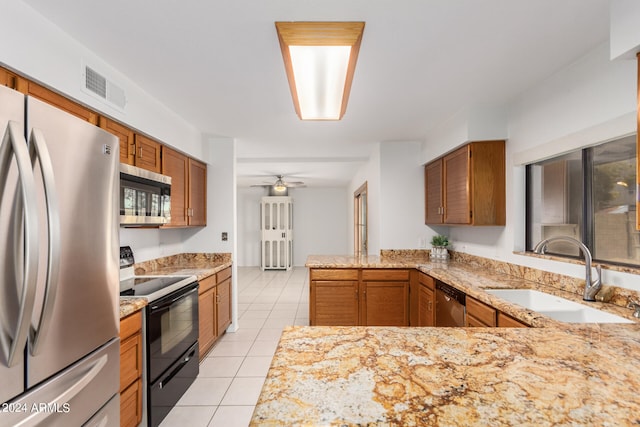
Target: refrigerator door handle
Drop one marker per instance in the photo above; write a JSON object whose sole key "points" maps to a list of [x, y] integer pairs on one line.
{"points": [[26, 207], [38, 151], [68, 393]]}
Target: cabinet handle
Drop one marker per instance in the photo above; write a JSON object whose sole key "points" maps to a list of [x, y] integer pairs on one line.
{"points": [[430, 306], [141, 152]]}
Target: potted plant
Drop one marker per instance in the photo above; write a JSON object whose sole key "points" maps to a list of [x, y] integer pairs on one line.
{"points": [[439, 243]]}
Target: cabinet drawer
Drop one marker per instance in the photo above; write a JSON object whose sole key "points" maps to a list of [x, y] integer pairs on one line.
{"points": [[223, 275], [206, 284], [385, 274], [482, 312], [130, 360], [131, 405], [334, 274], [505, 321], [130, 325]]}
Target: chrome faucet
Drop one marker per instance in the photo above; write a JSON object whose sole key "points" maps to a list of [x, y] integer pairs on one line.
{"points": [[591, 288]]}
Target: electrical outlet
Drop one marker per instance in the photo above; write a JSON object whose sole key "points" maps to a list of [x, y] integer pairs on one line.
{"points": [[225, 236]]}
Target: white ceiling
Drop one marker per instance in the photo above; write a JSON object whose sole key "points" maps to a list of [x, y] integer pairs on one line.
{"points": [[217, 63]]}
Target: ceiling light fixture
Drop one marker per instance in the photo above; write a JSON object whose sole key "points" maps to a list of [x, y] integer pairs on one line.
{"points": [[279, 185], [320, 60]]}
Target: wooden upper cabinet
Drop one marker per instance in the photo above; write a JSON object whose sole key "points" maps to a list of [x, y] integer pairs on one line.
{"points": [[147, 155], [472, 187], [433, 193], [13, 81], [188, 189], [126, 137], [457, 191], [176, 165], [59, 101], [197, 212]]}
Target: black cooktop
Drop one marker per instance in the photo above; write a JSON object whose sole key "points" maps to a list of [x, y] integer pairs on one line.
{"points": [[145, 286]]}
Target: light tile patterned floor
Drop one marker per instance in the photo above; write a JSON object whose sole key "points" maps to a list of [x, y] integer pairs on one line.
{"points": [[231, 377]]}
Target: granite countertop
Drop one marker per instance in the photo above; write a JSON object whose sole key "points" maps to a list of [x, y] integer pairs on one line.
{"points": [[201, 265], [553, 374], [572, 375], [474, 279], [129, 305]]}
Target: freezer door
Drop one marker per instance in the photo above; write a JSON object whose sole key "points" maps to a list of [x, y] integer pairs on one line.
{"points": [[73, 397], [11, 253], [76, 309]]}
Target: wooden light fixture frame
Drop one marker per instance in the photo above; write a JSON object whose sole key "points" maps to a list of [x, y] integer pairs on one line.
{"points": [[320, 34]]}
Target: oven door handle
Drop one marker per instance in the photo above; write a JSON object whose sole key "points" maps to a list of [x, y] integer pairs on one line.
{"points": [[168, 303], [173, 373]]}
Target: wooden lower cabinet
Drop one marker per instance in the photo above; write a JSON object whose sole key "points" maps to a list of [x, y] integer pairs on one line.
{"points": [[506, 321], [131, 370], [214, 309], [208, 329], [366, 297], [223, 303], [131, 405], [334, 303], [426, 300], [480, 314]]}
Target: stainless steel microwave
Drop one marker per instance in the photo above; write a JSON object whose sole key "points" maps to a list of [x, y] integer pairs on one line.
{"points": [[145, 197]]}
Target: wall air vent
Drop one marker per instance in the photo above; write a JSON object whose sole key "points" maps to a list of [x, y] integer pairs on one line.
{"points": [[99, 86]]}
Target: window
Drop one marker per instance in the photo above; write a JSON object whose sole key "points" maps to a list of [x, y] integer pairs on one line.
{"points": [[588, 194]]}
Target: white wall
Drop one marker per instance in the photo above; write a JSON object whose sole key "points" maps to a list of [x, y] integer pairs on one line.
{"points": [[625, 31], [319, 223], [402, 196], [221, 200]]}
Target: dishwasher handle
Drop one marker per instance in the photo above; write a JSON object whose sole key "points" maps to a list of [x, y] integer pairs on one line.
{"points": [[451, 292]]}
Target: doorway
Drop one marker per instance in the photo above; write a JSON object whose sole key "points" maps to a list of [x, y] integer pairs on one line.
{"points": [[360, 220]]}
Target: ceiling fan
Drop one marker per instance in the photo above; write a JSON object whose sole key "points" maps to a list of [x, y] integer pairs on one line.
{"points": [[280, 184]]}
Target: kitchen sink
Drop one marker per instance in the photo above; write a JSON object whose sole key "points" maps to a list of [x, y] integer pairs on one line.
{"points": [[556, 307]]}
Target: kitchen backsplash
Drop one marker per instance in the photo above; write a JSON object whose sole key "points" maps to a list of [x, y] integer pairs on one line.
{"points": [[190, 259]]}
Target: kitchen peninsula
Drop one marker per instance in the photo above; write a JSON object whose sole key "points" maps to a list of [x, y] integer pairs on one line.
{"points": [[554, 373]]}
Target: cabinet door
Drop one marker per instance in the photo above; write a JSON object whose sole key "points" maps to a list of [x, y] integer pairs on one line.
{"points": [[130, 360], [433, 206], [426, 303], [148, 154], [457, 201], [131, 405], [208, 329], [224, 305], [333, 303], [125, 135], [384, 304], [175, 165], [62, 103], [197, 214]]}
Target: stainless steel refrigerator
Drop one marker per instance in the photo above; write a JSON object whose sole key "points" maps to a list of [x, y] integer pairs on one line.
{"points": [[59, 321]]}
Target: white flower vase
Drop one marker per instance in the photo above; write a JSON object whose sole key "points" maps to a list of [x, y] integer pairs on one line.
{"points": [[439, 253]]}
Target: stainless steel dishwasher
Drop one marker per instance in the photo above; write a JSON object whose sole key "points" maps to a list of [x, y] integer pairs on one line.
{"points": [[450, 305]]}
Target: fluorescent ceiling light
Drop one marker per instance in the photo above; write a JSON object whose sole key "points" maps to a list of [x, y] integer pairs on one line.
{"points": [[320, 60]]}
